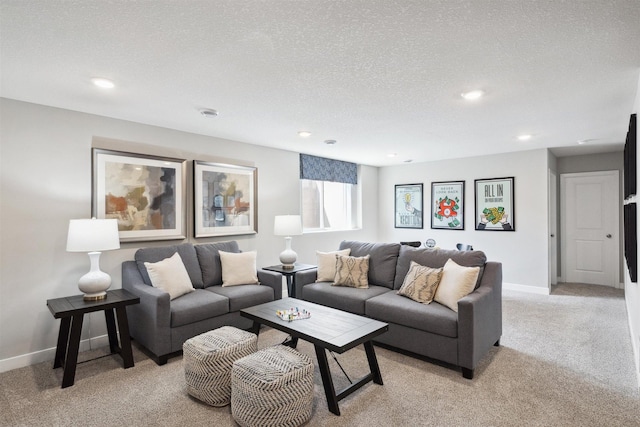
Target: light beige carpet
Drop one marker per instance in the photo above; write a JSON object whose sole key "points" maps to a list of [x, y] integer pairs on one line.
{"points": [[565, 360]]}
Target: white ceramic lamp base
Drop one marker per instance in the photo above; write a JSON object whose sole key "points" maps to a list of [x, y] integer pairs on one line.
{"points": [[288, 257], [95, 283]]}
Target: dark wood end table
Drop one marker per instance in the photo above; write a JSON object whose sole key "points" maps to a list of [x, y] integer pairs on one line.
{"points": [[71, 311], [327, 329], [290, 275]]}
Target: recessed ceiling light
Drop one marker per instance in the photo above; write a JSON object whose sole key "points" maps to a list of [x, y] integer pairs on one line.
{"points": [[525, 137], [103, 83], [392, 154], [209, 113], [586, 141], [330, 141], [304, 134], [472, 95]]}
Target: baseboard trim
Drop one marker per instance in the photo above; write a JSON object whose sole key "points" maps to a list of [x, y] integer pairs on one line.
{"points": [[48, 354], [525, 288]]}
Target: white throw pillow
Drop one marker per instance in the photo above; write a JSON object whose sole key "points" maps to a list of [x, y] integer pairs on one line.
{"points": [[238, 268], [327, 264], [170, 275], [456, 282]]}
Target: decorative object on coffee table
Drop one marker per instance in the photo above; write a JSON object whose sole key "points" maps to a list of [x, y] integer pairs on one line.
{"points": [[93, 236], [272, 387], [208, 359], [287, 225]]}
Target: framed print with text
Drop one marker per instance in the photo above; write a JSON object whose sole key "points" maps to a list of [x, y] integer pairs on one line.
{"points": [[408, 206], [146, 194], [495, 204], [225, 199], [447, 205]]}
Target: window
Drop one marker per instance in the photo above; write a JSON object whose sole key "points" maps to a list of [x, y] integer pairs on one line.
{"points": [[329, 193]]}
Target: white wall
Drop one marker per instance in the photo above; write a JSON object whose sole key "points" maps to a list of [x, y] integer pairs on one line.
{"points": [[523, 253], [45, 171], [632, 290]]}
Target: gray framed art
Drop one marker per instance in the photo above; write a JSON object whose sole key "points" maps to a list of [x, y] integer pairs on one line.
{"points": [[146, 194], [225, 199], [408, 206]]}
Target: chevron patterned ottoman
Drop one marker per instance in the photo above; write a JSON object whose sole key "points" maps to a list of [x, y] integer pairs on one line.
{"points": [[208, 359], [272, 387]]}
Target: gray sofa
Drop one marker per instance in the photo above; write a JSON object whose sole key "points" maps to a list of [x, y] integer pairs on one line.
{"points": [[430, 330], [162, 325]]}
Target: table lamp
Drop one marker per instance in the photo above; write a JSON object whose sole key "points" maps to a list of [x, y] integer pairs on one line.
{"points": [[287, 225], [93, 236]]}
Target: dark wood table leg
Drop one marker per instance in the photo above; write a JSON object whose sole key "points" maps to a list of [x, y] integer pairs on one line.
{"points": [[373, 362], [291, 291], [111, 330], [125, 338], [71, 360], [63, 342], [327, 381], [255, 329]]}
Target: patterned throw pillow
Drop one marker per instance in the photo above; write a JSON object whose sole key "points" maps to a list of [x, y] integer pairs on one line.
{"points": [[352, 271], [420, 283]]}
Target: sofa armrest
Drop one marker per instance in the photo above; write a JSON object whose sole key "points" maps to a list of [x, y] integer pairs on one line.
{"points": [[303, 278], [273, 280], [149, 321], [480, 317]]}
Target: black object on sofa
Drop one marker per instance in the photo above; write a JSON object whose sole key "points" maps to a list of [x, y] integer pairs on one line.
{"points": [[430, 330], [162, 325]]}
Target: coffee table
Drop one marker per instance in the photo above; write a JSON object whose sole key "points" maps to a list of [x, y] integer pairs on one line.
{"points": [[327, 329]]}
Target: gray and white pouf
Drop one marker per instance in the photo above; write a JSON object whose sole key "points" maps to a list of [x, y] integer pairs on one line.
{"points": [[272, 387], [208, 359]]}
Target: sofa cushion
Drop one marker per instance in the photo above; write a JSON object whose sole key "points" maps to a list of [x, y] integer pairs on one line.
{"points": [[382, 265], [239, 268], [434, 318], [209, 260], [352, 271], [340, 297], [244, 296], [327, 264], [420, 283], [170, 275], [437, 258], [196, 306], [457, 282], [155, 254]]}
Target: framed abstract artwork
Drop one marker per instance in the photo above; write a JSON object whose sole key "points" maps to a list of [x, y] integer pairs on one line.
{"points": [[408, 206], [146, 194], [225, 199], [447, 205], [495, 204]]}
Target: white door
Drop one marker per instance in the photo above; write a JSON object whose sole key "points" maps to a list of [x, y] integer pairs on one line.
{"points": [[553, 232], [591, 211]]}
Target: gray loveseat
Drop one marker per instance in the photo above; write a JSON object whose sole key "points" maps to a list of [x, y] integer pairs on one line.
{"points": [[430, 330], [162, 325]]}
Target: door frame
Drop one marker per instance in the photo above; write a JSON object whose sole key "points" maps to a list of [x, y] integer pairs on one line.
{"points": [[553, 227], [563, 219]]}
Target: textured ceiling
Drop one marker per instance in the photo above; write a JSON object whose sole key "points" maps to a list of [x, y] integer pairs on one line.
{"points": [[379, 77]]}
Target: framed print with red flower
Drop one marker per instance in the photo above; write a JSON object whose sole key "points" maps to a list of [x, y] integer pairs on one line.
{"points": [[447, 205]]}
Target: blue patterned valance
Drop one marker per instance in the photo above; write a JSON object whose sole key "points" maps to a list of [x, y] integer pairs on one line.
{"points": [[321, 169]]}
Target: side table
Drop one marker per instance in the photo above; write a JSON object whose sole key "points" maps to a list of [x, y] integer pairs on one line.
{"points": [[290, 275], [71, 311]]}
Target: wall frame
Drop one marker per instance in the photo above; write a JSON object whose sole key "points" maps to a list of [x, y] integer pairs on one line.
{"points": [[494, 204], [146, 194], [447, 205], [408, 206], [225, 199]]}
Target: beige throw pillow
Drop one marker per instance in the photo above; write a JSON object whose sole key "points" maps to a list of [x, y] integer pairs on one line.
{"points": [[352, 271], [420, 283], [238, 268], [327, 264], [170, 275], [457, 281]]}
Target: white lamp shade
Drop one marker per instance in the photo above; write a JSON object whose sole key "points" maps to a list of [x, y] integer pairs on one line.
{"points": [[93, 235], [287, 225]]}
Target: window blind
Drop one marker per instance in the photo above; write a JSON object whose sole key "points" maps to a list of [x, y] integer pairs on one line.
{"points": [[322, 169]]}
